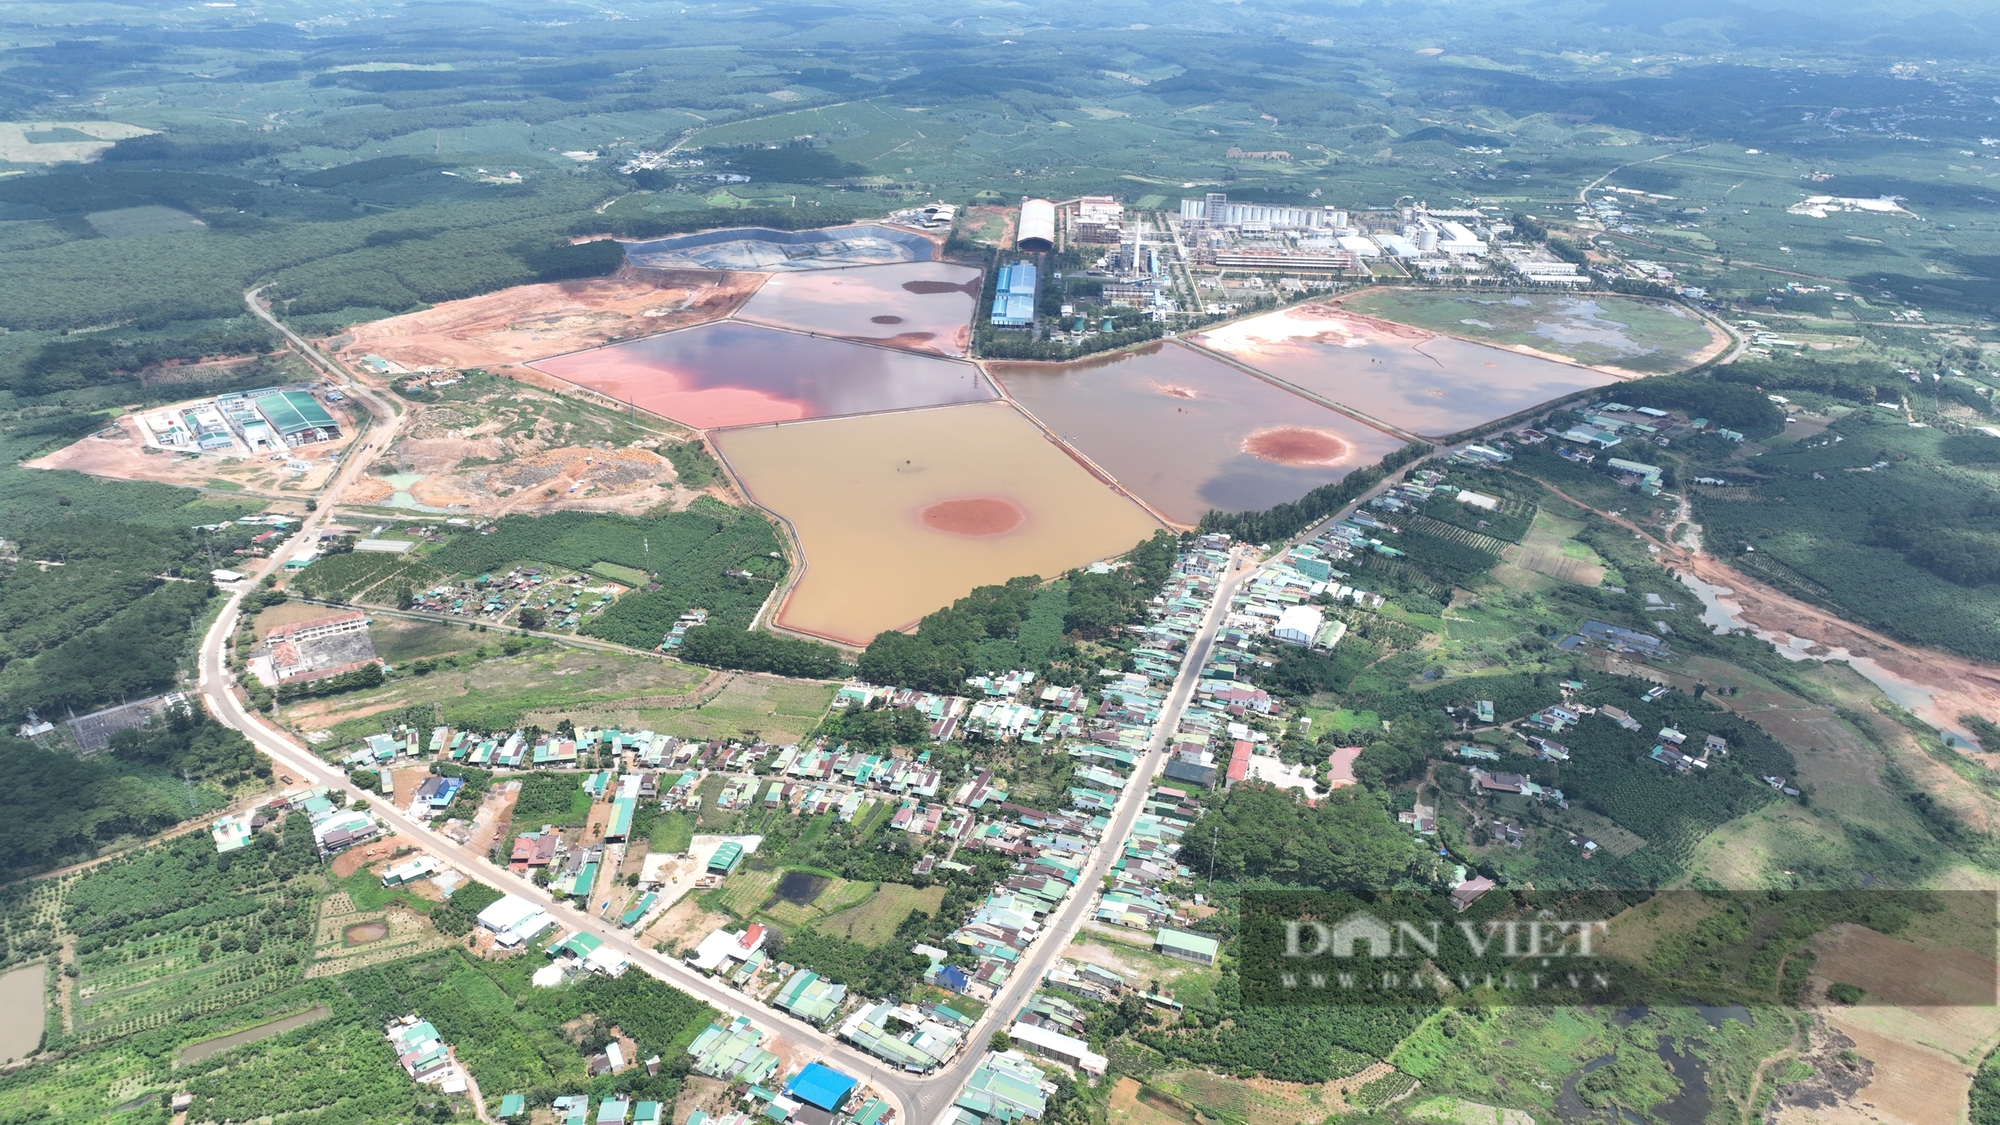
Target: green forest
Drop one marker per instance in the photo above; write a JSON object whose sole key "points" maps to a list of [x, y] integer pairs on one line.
{"points": [[1020, 624]]}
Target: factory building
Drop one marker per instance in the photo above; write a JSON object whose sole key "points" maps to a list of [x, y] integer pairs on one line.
{"points": [[296, 416], [1014, 295], [1100, 219], [1217, 211], [1038, 226]]}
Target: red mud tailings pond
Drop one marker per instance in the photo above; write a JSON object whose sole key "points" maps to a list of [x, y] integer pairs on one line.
{"points": [[1297, 445], [732, 374], [1430, 385], [975, 518], [1186, 432], [901, 514], [929, 303]]}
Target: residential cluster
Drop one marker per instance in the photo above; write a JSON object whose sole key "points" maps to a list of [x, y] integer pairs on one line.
{"points": [[424, 1055], [563, 602], [334, 828]]}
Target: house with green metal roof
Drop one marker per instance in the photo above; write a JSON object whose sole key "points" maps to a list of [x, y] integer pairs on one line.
{"points": [[578, 945], [733, 1052], [622, 811], [512, 1105], [1011, 1085], [810, 998]]}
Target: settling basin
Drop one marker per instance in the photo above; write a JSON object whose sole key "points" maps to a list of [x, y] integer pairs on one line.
{"points": [[23, 1011], [195, 1052], [923, 306], [1426, 384], [1186, 432], [731, 374], [900, 514]]}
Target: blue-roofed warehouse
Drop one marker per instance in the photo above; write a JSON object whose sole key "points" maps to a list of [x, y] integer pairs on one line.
{"points": [[1014, 295], [821, 1085]]}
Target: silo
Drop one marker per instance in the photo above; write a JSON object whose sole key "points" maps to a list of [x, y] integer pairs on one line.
{"points": [[1038, 226]]}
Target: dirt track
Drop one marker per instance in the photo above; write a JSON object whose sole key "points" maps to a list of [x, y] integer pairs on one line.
{"points": [[531, 322]]}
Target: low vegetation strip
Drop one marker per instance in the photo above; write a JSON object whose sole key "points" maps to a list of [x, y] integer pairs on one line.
{"points": [[195, 1052]]}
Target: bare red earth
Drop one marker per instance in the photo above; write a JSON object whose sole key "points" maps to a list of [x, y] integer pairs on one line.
{"points": [[974, 517]]}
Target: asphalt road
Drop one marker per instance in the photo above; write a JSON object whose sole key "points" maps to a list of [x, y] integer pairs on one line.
{"points": [[917, 1098], [928, 1096]]}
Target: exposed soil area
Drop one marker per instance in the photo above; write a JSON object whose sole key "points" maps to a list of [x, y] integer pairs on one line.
{"points": [[976, 517], [1918, 1047], [534, 321], [361, 933], [1958, 685], [516, 448], [1298, 445], [125, 455]]}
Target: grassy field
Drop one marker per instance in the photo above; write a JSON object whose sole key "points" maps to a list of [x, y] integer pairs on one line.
{"points": [[400, 639], [749, 705], [626, 575], [553, 681], [672, 833], [874, 921]]}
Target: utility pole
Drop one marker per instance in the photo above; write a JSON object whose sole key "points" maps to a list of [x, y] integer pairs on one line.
{"points": [[1214, 834]]}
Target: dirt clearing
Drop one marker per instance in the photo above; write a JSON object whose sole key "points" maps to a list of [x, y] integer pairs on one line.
{"points": [[1924, 1050], [531, 322], [123, 454]]}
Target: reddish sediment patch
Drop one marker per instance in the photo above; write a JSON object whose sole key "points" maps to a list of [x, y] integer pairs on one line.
{"points": [[1298, 445], [1172, 391], [885, 319], [975, 517]]}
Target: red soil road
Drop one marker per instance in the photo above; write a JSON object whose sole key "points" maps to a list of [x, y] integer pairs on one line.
{"points": [[977, 517], [1298, 445]]}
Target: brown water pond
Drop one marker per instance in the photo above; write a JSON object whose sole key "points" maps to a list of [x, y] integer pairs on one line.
{"points": [[1187, 432], [901, 514], [1426, 384], [23, 1010], [925, 306], [731, 374]]}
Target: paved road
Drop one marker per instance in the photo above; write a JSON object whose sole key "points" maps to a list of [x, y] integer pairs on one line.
{"points": [[926, 1096], [918, 1098], [1057, 930]]}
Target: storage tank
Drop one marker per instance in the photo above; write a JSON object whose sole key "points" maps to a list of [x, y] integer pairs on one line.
{"points": [[1038, 226]]}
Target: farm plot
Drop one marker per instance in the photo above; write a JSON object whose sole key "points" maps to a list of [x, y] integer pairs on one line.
{"points": [[874, 921], [178, 931]]}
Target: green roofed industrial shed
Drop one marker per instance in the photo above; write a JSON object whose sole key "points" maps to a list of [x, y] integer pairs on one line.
{"points": [[725, 858], [1190, 947], [297, 417]]}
